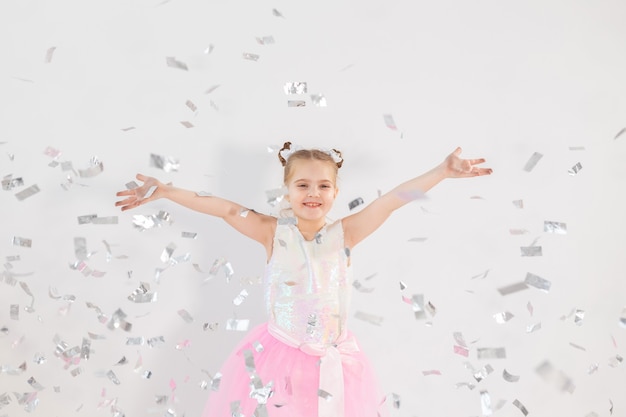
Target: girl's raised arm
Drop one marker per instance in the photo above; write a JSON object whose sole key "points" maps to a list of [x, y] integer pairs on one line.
{"points": [[256, 226], [359, 225]]}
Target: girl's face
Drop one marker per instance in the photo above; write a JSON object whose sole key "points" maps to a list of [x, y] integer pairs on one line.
{"points": [[312, 189]]}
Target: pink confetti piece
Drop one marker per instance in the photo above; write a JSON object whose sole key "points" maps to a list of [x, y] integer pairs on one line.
{"points": [[460, 350], [431, 372]]}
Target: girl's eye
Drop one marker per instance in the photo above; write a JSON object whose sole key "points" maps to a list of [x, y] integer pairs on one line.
{"points": [[302, 185]]}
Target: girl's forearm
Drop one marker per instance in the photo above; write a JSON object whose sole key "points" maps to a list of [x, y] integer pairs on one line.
{"points": [[214, 206], [415, 187]]}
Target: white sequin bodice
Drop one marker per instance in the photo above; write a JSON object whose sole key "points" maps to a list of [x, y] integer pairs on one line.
{"points": [[308, 283]]}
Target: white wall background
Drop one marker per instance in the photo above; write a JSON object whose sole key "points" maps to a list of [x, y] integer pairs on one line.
{"points": [[502, 79]]}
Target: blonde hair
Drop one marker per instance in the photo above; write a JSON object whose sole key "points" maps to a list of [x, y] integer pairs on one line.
{"points": [[308, 155]]}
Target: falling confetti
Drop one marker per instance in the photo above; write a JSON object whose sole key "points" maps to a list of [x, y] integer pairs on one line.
{"points": [[532, 161], [49, 54], [174, 63]]}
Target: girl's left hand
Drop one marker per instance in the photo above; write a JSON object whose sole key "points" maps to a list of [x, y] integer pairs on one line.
{"points": [[455, 167]]}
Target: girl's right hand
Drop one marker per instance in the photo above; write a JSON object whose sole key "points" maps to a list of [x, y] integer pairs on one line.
{"points": [[151, 189]]}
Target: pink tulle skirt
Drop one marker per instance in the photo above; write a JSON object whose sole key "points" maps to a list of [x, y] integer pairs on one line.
{"points": [[295, 381]]}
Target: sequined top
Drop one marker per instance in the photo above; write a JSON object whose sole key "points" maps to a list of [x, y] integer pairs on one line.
{"points": [[307, 284]]}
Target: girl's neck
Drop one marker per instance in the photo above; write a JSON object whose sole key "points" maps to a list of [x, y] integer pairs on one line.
{"points": [[309, 228]]}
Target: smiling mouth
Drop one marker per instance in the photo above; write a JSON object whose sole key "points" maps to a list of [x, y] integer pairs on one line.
{"points": [[312, 204]]}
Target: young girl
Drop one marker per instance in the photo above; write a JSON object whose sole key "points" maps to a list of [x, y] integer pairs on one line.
{"points": [[303, 362]]}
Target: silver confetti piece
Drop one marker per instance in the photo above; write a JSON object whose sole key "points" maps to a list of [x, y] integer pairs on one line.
{"points": [[286, 221], [27, 192], [118, 321], [49, 54], [80, 248], [360, 288], [579, 347], [469, 385], [22, 241], [503, 317], [389, 122], [575, 169], [126, 129], [241, 297], [537, 282], [620, 133], [518, 203], [249, 361], [558, 378], [191, 105], [555, 227], [354, 203], [418, 239], [187, 124], [166, 163], [211, 89], [95, 168], [142, 294], [521, 407], [324, 394], [481, 275], [265, 40], [576, 148], [275, 196], [622, 319], [239, 325], [370, 318], [76, 371], [531, 328], [11, 183], [174, 63], [485, 403], [168, 252], [155, 341], [459, 339], [509, 289], [85, 349], [615, 361], [593, 369], [67, 166], [258, 347], [111, 375], [295, 88], [579, 316], [14, 311], [296, 103], [105, 220], [86, 218], [491, 353], [277, 13], [319, 100], [531, 250], [210, 326], [483, 373], [189, 235], [509, 377], [39, 358], [532, 161], [250, 57], [184, 314], [402, 286]]}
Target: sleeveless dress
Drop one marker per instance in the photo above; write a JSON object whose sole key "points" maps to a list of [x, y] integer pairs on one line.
{"points": [[303, 362]]}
